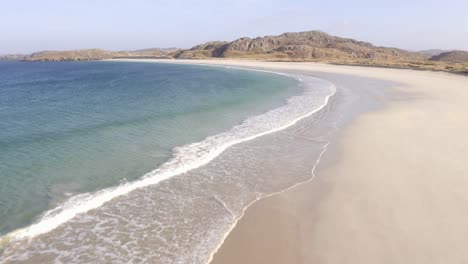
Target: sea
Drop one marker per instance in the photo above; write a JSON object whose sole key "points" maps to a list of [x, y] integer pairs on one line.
{"points": [[144, 162]]}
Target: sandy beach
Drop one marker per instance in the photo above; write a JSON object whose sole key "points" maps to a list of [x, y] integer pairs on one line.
{"points": [[391, 188], [234, 132], [375, 173]]}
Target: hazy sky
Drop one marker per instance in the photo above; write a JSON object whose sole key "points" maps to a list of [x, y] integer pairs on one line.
{"points": [[34, 25]]}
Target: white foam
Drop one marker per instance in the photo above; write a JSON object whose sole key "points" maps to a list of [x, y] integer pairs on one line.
{"points": [[189, 157]]}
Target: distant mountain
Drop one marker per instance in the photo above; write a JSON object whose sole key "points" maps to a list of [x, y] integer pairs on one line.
{"points": [[154, 53], [457, 56], [309, 45], [98, 54], [157, 50], [71, 55], [12, 57], [433, 52]]}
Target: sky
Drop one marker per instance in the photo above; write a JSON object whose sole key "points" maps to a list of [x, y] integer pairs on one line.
{"points": [[35, 25]]}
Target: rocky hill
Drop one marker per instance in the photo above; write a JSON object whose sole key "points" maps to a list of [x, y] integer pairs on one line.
{"points": [[456, 56], [209, 49], [309, 45]]}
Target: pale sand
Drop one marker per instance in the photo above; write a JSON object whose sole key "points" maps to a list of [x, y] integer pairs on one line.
{"points": [[393, 188]]}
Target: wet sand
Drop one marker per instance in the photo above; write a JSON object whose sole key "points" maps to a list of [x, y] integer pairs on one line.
{"points": [[391, 189]]}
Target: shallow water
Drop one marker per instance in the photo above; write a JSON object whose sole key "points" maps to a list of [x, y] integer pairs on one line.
{"points": [[69, 128]]}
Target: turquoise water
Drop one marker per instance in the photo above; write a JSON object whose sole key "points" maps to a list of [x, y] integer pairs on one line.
{"points": [[74, 127]]}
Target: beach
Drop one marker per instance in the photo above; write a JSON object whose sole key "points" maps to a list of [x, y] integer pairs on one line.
{"points": [[391, 189], [366, 166], [234, 132]]}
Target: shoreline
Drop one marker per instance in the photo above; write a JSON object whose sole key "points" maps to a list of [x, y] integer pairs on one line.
{"points": [[338, 63], [226, 235], [422, 90], [418, 86], [289, 124], [401, 87], [324, 149], [242, 65]]}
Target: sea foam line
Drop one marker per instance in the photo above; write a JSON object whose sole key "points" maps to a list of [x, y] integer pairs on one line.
{"points": [[88, 201], [313, 176]]}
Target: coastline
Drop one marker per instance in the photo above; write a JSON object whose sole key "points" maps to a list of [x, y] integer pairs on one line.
{"points": [[390, 190], [251, 207], [292, 207], [246, 65], [125, 189]]}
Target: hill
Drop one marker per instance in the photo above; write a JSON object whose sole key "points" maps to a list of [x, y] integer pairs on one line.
{"points": [[309, 45], [433, 52], [98, 54], [456, 56], [154, 53], [71, 55], [301, 46], [12, 57], [322, 47]]}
